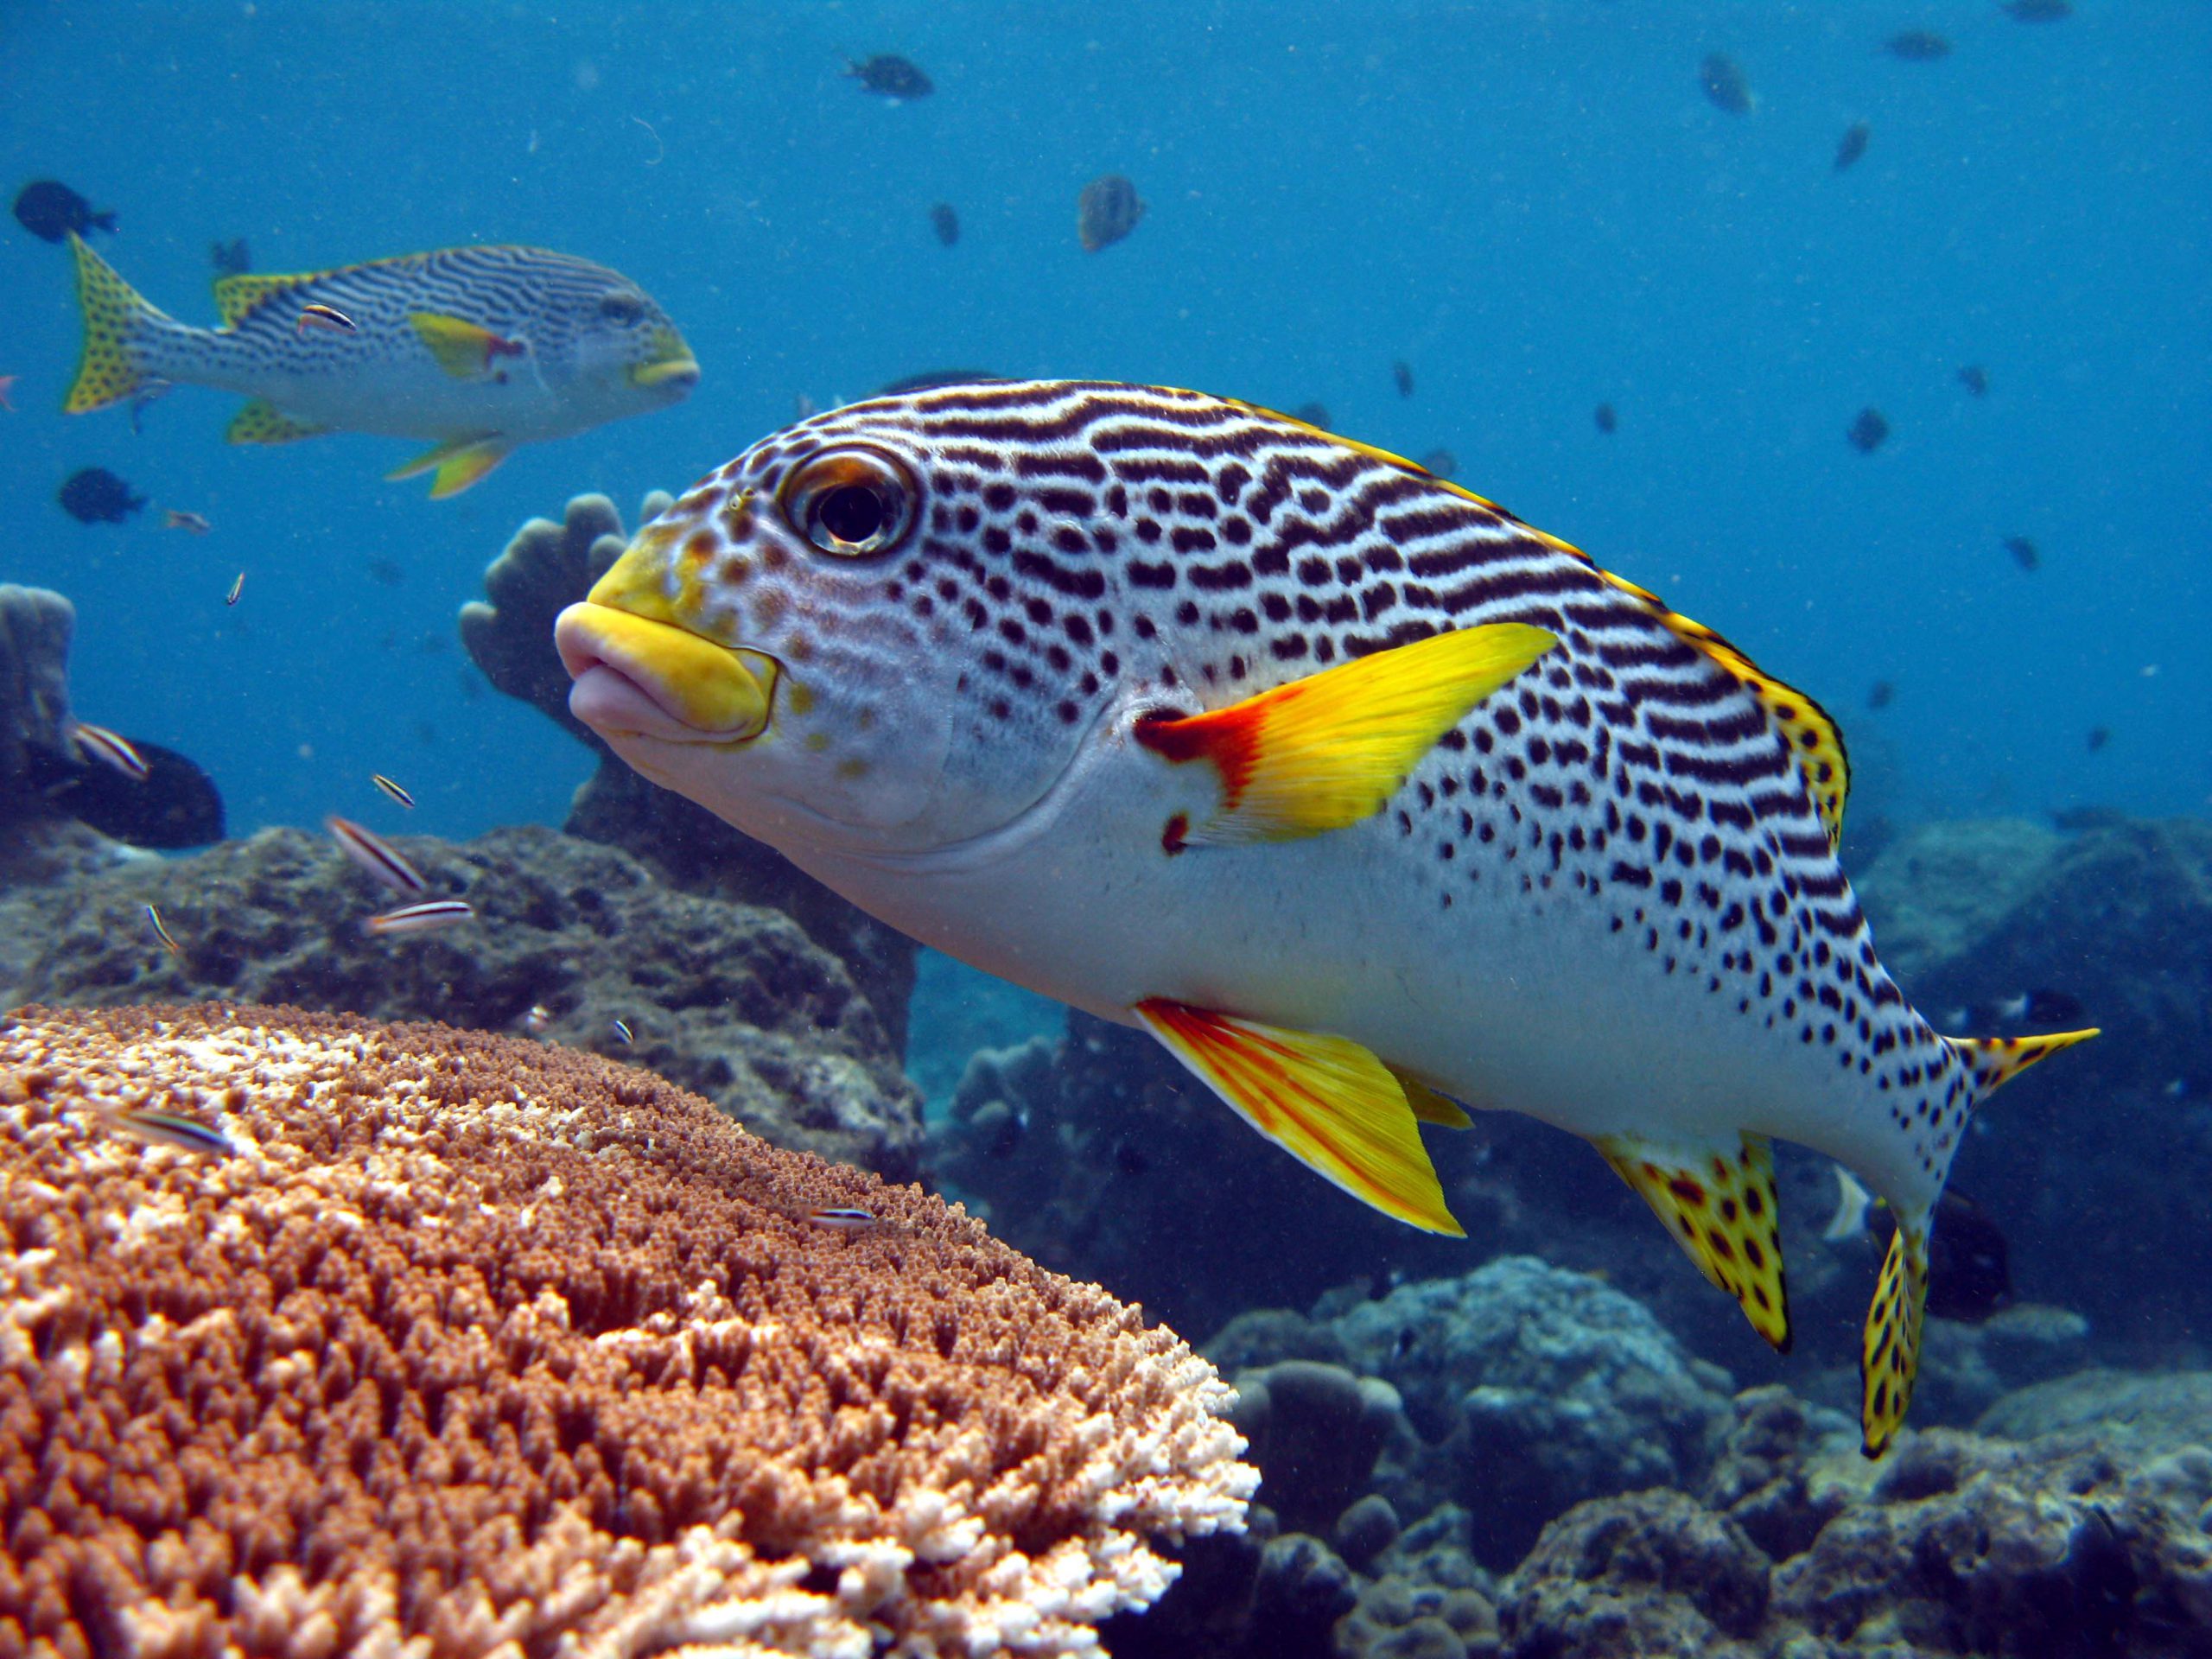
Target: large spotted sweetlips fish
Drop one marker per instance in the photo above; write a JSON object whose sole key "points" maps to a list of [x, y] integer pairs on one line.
{"points": [[1362, 796]]}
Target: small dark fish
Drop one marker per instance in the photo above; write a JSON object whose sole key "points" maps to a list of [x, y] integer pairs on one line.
{"points": [[842, 1218], [432, 916], [1852, 144], [2099, 736], [1129, 1158], [890, 75], [1442, 462], [178, 518], [162, 933], [946, 222], [1969, 1266], [2038, 11], [1313, 415], [1918, 46], [330, 319], [387, 571], [1881, 695], [236, 588], [1006, 1139], [96, 496], [1106, 211], [1868, 432], [50, 211], [1975, 380], [372, 852], [931, 379], [623, 1034], [1402, 376], [2041, 1007], [171, 1129], [392, 790], [175, 805], [229, 259], [110, 749], [2023, 552], [2079, 820], [1608, 422], [1724, 83]]}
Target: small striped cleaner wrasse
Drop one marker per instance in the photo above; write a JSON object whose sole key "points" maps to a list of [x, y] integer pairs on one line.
{"points": [[475, 350], [1362, 796]]}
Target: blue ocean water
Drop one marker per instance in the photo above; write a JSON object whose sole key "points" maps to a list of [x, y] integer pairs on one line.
{"points": [[1532, 206]]}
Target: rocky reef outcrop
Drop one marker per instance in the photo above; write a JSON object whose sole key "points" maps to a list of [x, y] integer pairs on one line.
{"points": [[734, 1001]]}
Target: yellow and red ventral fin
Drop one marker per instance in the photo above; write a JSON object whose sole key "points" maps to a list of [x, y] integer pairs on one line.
{"points": [[1993, 1062], [1327, 751], [459, 462], [463, 349], [1429, 1105], [1889, 1351], [1719, 1203], [1326, 1100]]}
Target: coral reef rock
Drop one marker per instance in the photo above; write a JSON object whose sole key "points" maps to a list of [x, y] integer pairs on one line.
{"points": [[2142, 1415], [35, 626], [1313, 1432], [468, 1346], [1538, 1387], [732, 1001], [509, 635]]}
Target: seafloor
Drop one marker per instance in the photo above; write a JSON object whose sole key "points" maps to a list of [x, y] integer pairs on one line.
{"points": [[1549, 1439]]}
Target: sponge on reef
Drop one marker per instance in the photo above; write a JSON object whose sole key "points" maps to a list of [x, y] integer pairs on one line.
{"points": [[473, 1345]]}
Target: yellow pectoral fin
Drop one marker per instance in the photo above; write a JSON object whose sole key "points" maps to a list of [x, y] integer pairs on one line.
{"points": [[462, 349], [1889, 1352], [1719, 1202], [1329, 750], [262, 421], [1326, 1100], [459, 462], [1429, 1105]]}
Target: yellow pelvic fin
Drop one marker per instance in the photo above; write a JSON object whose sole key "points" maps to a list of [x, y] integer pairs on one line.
{"points": [[1327, 751], [1993, 1061], [1720, 1203], [262, 421], [113, 312], [1429, 1105], [238, 297], [1326, 1100], [1889, 1351], [463, 349], [460, 462]]}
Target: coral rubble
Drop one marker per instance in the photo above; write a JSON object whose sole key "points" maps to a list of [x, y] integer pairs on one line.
{"points": [[471, 1346]]}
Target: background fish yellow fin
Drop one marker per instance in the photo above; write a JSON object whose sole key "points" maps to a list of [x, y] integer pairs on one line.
{"points": [[1328, 750], [239, 296], [463, 349], [113, 311], [1721, 1204], [1889, 1350], [1325, 1100], [1993, 1062], [262, 421]]}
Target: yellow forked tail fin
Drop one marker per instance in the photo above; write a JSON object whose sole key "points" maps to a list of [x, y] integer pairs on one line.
{"points": [[114, 311], [1889, 1352]]}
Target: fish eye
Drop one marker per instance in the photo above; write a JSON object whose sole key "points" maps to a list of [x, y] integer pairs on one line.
{"points": [[622, 308], [851, 502]]}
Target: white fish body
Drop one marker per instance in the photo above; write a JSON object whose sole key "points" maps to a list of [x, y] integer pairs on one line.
{"points": [[475, 348], [1342, 782]]}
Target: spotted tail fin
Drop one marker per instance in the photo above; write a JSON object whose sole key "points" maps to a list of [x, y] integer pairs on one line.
{"points": [[114, 314], [1993, 1062], [1889, 1351]]}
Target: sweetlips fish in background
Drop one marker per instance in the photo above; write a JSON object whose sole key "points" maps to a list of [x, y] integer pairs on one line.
{"points": [[1362, 796], [475, 349]]}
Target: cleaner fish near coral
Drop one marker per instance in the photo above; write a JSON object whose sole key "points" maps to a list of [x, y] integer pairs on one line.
{"points": [[475, 349], [1362, 796]]}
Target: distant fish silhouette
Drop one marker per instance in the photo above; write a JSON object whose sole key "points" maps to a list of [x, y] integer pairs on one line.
{"points": [[1869, 432], [1724, 86], [53, 211], [1852, 144]]}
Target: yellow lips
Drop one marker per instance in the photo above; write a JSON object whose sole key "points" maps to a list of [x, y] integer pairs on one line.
{"points": [[717, 690], [652, 374]]}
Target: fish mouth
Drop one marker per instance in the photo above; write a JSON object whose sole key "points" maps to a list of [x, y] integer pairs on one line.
{"points": [[636, 676], [682, 372]]}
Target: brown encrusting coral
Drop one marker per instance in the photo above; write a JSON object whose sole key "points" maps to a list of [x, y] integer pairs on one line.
{"points": [[474, 1345]]}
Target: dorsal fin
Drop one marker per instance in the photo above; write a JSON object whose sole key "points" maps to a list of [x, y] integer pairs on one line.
{"points": [[238, 297]]}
